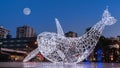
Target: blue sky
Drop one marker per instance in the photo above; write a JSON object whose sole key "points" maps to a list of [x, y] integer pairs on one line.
{"points": [[74, 15]]}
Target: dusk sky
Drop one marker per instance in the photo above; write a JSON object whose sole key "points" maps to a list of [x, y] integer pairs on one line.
{"points": [[74, 15]]}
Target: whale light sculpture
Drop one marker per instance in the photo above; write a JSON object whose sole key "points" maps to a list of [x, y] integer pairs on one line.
{"points": [[60, 49]]}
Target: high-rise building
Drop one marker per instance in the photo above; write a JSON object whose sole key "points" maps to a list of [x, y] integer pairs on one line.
{"points": [[71, 34], [25, 31], [3, 32]]}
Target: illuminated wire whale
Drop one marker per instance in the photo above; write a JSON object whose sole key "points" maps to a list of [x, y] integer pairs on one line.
{"points": [[60, 49]]}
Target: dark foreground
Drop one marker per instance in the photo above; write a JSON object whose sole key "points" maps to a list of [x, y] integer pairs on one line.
{"points": [[53, 65]]}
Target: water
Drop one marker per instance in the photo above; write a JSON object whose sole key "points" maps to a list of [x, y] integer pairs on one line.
{"points": [[53, 65]]}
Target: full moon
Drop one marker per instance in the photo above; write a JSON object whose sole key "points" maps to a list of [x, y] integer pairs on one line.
{"points": [[26, 11]]}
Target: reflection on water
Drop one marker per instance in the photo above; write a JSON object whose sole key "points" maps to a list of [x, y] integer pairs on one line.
{"points": [[99, 65], [59, 65]]}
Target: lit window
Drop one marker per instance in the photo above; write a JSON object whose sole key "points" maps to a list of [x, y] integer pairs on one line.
{"points": [[11, 45], [18, 45], [35, 42], [18, 40], [0, 43], [4, 45], [12, 41], [5, 41]]}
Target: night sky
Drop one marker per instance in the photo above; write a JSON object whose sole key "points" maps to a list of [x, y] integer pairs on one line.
{"points": [[74, 15]]}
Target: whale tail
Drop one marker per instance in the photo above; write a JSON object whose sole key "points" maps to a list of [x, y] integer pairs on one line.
{"points": [[107, 19], [89, 40]]}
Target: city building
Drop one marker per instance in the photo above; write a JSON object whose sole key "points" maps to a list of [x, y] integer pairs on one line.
{"points": [[71, 34], [25, 31], [3, 32], [107, 50], [17, 48]]}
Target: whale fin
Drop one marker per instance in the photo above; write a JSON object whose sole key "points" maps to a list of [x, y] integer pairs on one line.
{"points": [[59, 28], [31, 55]]}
